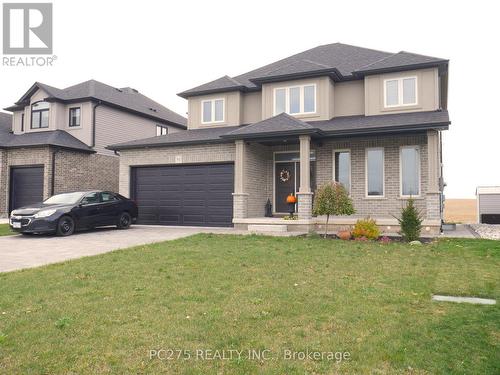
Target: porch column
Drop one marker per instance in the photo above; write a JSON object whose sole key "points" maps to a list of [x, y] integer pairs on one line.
{"points": [[305, 195], [433, 194], [240, 198]]}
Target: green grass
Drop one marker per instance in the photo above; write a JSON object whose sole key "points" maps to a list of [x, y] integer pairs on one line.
{"points": [[5, 230], [103, 314]]}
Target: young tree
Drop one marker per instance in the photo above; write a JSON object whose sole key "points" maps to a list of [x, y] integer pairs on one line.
{"points": [[332, 199], [410, 222]]}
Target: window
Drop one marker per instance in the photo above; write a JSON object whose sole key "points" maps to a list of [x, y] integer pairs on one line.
{"points": [[342, 168], [410, 171], [74, 117], [212, 111], [375, 172], [91, 198], [295, 100], [39, 115], [22, 122], [108, 197], [400, 92], [161, 130]]}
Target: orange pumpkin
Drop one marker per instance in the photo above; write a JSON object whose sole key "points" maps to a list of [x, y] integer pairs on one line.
{"points": [[291, 199]]}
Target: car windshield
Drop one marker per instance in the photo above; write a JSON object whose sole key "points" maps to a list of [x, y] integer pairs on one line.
{"points": [[66, 198]]}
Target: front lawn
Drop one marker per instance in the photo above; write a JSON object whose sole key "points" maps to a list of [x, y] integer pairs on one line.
{"points": [[5, 230], [104, 314]]}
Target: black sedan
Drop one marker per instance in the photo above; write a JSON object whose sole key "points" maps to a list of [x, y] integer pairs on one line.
{"points": [[64, 213]]}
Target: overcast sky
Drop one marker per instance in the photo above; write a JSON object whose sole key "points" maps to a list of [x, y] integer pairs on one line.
{"points": [[164, 47]]}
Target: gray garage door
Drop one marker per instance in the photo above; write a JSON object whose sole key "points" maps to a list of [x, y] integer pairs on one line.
{"points": [[26, 186], [191, 195]]}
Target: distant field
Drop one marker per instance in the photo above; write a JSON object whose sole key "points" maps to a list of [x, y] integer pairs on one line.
{"points": [[460, 210]]}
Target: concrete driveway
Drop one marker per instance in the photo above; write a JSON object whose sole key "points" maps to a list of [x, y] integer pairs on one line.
{"points": [[17, 252]]}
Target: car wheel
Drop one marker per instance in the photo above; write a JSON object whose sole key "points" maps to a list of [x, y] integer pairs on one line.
{"points": [[65, 226], [124, 221]]}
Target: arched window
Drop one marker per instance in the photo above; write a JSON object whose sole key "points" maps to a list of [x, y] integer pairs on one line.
{"points": [[40, 115]]}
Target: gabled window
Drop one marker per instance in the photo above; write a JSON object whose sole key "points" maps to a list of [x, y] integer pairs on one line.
{"points": [[374, 172], [74, 117], [295, 100], [40, 115], [400, 92], [409, 162], [161, 130], [212, 111]]}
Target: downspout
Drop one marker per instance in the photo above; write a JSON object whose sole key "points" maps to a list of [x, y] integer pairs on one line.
{"points": [[94, 121], [53, 174]]}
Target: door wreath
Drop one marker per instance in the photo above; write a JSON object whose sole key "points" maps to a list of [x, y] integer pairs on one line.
{"points": [[285, 175]]}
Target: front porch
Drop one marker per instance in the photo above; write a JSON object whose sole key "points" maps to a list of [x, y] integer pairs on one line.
{"points": [[271, 165]]}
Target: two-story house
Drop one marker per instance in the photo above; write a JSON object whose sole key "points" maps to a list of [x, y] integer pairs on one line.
{"points": [[369, 119], [55, 140]]}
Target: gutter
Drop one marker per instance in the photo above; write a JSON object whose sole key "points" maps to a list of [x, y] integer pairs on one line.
{"points": [[94, 121]]}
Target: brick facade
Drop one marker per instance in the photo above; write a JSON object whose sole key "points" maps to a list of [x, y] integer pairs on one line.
{"points": [[73, 171]]}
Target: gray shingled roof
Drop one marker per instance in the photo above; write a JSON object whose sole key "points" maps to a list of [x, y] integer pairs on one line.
{"points": [[283, 125], [125, 98], [339, 60], [195, 136], [389, 122], [58, 138], [400, 60]]}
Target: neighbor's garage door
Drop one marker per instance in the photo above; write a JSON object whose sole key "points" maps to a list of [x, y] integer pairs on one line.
{"points": [[26, 186], [196, 195]]}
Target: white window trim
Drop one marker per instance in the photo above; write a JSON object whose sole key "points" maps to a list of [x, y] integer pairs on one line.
{"points": [[163, 127], [400, 92], [350, 166], [419, 168], [301, 99], [366, 173], [212, 121]]}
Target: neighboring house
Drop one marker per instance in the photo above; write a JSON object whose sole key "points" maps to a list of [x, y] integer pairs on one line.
{"points": [[56, 139], [369, 119], [488, 204]]}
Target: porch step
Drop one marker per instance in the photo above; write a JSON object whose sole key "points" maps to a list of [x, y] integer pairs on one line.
{"points": [[267, 228]]}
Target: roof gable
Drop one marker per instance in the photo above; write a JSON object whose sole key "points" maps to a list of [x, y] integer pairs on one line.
{"points": [[340, 61]]}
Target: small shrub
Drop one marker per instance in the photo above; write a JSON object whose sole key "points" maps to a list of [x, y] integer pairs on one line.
{"points": [[410, 222], [332, 199], [384, 240], [366, 228]]}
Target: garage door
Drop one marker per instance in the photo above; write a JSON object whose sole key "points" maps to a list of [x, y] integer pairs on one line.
{"points": [[191, 195], [26, 186]]}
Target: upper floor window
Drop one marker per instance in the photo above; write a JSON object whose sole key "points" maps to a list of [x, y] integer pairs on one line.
{"points": [[212, 111], [22, 122], [39, 115], [375, 172], [161, 130], [400, 92], [295, 100], [410, 171], [74, 117]]}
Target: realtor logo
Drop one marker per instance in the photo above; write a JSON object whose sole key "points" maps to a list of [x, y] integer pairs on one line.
{"points": [[27, 28]]}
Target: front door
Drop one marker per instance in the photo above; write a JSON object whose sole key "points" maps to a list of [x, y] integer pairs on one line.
{"points": [[286, 182]]}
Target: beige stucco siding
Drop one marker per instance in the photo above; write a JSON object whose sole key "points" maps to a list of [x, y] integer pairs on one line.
{"points": [[349, 98], [171, 155], [323, 98], [232, 110], [251, 107], [115, 126], [427, 92]]}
